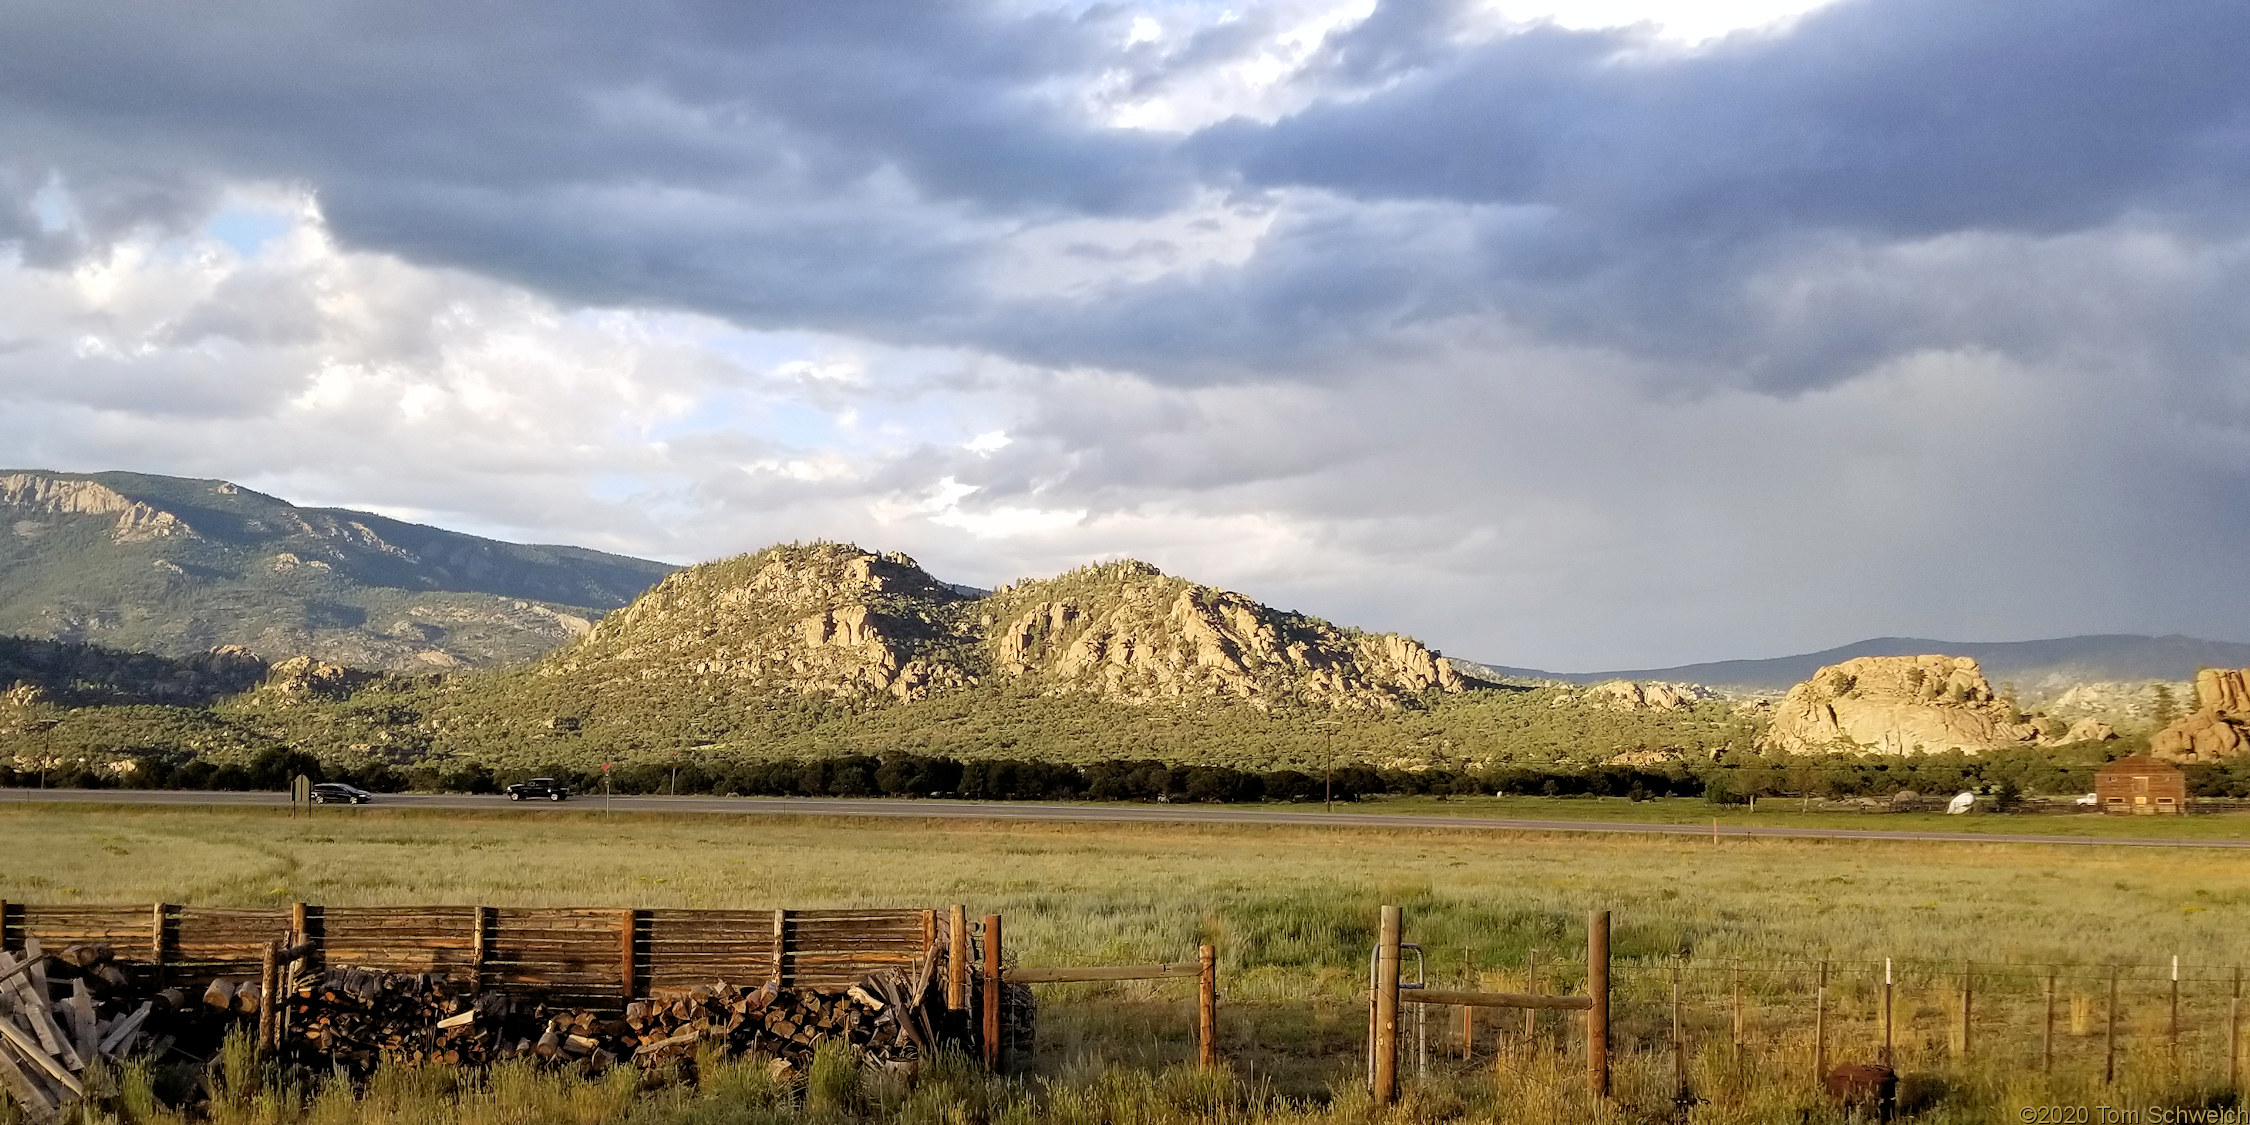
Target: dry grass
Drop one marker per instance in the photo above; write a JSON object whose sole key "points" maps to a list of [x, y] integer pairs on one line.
{"points": [[1291, 911]]}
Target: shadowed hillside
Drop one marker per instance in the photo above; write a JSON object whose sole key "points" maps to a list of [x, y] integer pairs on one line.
{"points": [[177, 567]]}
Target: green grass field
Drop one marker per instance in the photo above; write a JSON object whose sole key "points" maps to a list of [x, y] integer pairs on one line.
{"points": [[1783, 812], [1291, 911]]}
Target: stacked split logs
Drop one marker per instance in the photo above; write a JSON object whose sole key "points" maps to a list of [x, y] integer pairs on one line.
{"points": [[59, 1013], [353, 1019]]}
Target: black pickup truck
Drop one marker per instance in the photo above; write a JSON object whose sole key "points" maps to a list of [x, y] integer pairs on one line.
{"points": [[538, 787]]}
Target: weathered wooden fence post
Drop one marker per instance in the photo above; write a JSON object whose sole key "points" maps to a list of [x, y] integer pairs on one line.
{"points": [[1207, 1010], [626, 921], [1468, 1013], [2047, 1030], [2234, 1033], [957, 960], [1967, 984], [297, 925], [480, 940], [1820, 1024], [1890, 1055], [1679, 1042], [156, 941], [1735, 1057], [1385, 1001], [2109, 1052], [781, 948], [1597, 1016], [2172, 1036], [269, 975], [1530, 988], [992, 991]]}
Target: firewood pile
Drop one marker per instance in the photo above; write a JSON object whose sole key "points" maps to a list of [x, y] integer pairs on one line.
{"points": [[353, 1019], [60, 1012]]}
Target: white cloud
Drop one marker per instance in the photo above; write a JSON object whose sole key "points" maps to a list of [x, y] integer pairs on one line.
{"points": [[1413, 316]]}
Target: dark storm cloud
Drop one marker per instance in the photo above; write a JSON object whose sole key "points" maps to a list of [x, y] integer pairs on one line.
{"points": [[718, 156], [1647, 191], [1898, 119], [1568, 347], [853, 167]]}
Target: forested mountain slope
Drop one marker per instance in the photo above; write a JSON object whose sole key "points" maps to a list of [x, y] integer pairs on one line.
{"points": [[177, 567]]}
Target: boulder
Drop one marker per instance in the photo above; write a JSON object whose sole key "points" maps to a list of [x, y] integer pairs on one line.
{"points": [[2089, 729], [2224, 690], [1626, 695], [2205, 736], [303, 677], [2218, 729], [1896, 705]]}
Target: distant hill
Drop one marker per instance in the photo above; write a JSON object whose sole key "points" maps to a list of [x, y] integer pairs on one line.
{"points": [[2035, 668], [176, 567], [814, 650], [833, 620]]}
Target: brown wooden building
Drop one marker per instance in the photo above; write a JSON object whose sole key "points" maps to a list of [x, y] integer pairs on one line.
{"points": [[2141, 785]]}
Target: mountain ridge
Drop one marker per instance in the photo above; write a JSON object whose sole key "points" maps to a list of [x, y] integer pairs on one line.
{"points": [[2041, 667], [176, 566]]}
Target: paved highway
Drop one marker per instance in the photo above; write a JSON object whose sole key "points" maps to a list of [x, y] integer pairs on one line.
{"points": [[1134, 814]]}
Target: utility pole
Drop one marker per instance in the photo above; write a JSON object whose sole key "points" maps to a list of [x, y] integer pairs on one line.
{"points": [[1328, 765]]}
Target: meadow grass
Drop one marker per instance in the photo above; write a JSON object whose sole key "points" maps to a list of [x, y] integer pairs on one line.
{"points": [[1786, 812], [1291, 911]]}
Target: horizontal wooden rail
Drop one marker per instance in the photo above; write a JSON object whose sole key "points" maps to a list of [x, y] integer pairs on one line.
{"points": [[592, 956], [1493, 999], [1105, 972]]}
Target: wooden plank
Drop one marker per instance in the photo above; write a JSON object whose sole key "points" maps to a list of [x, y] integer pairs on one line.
{"points": [[1494, 999], [80, 1007], [31, 1007], [29, 1050], [122, 1032], [1088, 973], [121, 917], [28, 1090]]}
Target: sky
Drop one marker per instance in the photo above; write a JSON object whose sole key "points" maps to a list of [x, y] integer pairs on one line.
{"points": [[1569, 335]]}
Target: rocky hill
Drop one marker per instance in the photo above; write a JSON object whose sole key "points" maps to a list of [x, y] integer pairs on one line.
{"points": [[1897, 705], [176, 567], [834, 621], [80, 675], [2041, 672]]}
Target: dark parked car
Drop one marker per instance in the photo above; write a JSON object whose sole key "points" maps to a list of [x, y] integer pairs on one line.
{"points": [[338, 793], [538, 787]]}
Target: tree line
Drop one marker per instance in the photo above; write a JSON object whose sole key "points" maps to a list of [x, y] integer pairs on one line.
{"points": [[1732, 778]]}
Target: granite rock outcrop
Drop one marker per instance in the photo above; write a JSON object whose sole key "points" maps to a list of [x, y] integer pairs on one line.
{"points": [[1897, 705]]}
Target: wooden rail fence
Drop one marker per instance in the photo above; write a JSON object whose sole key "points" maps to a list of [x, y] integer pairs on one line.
{"points": [[1387, 995], [1204, 969], [587, 957]]}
